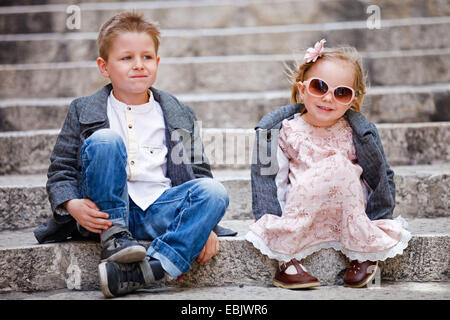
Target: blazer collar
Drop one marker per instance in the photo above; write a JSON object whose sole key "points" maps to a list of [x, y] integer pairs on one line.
{"points": [[174, 112], [273, 119], [94, 108], [359, 123]]}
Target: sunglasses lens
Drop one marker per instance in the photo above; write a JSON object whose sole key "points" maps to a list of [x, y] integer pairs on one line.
{"points": [[343, 94], [318, 87]]}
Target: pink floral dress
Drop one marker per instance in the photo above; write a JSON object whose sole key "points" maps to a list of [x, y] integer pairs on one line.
{"points": [[325, 201]]}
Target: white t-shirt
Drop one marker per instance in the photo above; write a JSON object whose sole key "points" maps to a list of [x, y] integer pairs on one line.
{"points": [[143, 131]]}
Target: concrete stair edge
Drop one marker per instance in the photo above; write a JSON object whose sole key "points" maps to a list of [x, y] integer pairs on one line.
{"points": [[29, 267], [28, 152], [420, 193], [73, 264], [228, 13], [414, 34], [386, 290], [417, 67], [408, 104]]}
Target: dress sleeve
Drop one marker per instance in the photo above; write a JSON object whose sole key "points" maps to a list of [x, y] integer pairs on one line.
{"points": [[282, 177], [282, 138]]}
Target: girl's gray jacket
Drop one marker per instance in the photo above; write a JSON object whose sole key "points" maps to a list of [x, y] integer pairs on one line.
{"points": [[376, 171], [186, 159]]}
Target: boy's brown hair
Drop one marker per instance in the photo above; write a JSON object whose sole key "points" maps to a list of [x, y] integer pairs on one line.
{"points": [[345, 54], [128, 21]]}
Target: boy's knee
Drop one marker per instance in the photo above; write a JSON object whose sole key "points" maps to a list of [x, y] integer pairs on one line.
{"points": [[105, 136], [106, 139], [215, 191]]}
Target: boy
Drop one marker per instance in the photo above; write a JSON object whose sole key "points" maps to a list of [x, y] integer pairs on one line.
{"points": [[119, 169]]}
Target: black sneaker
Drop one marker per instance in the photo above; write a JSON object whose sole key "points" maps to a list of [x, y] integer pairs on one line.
{"points": [[117, 279], [118, 245]]}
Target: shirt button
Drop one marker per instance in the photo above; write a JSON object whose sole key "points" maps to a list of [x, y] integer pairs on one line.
{"points": [[151, 151], [132, 162], [128, 108], [130, 126]]}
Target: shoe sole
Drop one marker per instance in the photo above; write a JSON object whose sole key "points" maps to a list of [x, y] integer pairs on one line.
{"points": [[128, 255], [365, 282], [103, 275], [296, 286]]}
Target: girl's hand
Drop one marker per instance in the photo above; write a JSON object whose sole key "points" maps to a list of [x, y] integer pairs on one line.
{"points": [[88, 215], [210, 249]]}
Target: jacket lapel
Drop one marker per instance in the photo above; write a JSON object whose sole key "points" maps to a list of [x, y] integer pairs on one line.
{"points": [[95, 106], [361, 127], [366, 148], [93, 117], [172, 110]]}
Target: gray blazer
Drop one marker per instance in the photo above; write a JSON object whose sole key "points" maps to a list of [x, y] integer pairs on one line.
{"points": [[376, 170], [87, 115]]}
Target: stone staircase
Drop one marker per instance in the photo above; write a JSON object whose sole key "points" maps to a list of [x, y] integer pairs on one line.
{"points": [[228, 57]]}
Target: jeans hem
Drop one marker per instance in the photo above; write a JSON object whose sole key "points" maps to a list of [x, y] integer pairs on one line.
{"points": [[118, 216], [170, 260]]}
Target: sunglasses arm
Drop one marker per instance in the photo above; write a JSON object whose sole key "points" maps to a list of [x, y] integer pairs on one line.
{"points": [[301, 87]]}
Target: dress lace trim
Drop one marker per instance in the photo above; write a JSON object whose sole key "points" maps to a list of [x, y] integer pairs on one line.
{"points": [[352, 255]]}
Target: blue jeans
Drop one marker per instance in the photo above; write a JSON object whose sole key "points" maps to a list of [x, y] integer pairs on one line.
{"points": [[179, 222]]}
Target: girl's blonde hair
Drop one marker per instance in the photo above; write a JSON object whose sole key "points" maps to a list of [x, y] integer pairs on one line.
{"points": [[128, 21], [346, 54]]}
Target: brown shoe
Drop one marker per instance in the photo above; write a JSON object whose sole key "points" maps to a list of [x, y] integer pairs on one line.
{"points": [[300, 280], [360, 274]]}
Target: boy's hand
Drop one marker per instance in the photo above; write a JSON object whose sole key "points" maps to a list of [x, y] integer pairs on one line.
{"points": [[210, 249], [88, 215]]}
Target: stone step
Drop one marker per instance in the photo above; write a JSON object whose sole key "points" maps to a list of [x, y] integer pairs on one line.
{"points": [[406, 104], [237, 74], [421, 192], [38, 3], [398, 34], [209, 14], [386, 290], [28, 152], [26, 266]]}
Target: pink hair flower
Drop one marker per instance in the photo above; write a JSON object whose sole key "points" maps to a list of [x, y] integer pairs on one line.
{"points": [[313, 53]]}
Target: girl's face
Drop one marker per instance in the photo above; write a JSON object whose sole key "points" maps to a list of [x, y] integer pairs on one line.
{"points": [[325, 111]]}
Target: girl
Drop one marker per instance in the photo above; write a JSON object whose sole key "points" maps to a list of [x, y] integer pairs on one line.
{"points": [[334, 186]]}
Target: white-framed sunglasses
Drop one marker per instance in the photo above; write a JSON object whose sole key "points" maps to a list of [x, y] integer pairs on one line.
{"points": [[318, 88]]}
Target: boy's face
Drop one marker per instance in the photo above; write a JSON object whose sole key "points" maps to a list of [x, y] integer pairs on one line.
{"points": [[132, 65]]}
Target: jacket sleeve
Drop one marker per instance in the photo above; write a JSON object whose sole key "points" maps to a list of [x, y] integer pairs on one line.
{"points": [[389, 171], [63, 174], [381, 201], [263, 171]]}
